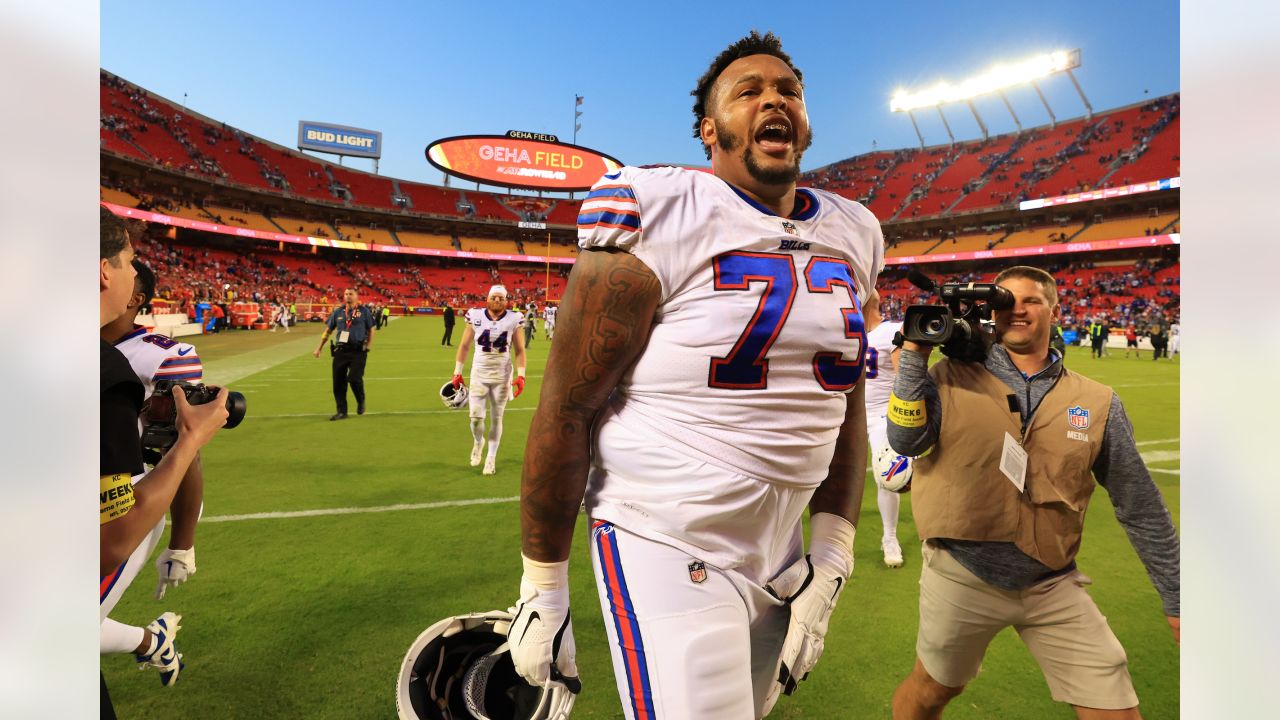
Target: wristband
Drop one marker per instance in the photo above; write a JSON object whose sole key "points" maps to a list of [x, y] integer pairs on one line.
{"points": [[831, 541], [457, 368], [519, 372], [546, 576]]}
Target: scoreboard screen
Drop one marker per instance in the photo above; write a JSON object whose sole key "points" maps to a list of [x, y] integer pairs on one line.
{"points": [[519, 162]]}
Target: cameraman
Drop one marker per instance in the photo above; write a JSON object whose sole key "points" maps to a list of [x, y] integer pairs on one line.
{"points": [[1000, 498], [154, 357], [127, 512]]}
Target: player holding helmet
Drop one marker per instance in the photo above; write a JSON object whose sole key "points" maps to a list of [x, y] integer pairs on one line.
{"points": [[705, 391], [496, 333], [891, 470]]}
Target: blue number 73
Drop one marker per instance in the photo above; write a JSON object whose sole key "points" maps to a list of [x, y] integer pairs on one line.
{"points": [[746, 367]]}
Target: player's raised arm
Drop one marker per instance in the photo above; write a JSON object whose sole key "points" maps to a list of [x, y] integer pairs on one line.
{"points": [[610, 303]]}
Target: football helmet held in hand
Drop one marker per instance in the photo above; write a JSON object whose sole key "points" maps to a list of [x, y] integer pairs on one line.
{"points": [[461, 669], [892, 470], [454, 396], [543, 648]]}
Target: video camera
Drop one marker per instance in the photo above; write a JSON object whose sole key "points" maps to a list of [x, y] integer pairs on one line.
{"points": [[955, 325], [160, 414]]}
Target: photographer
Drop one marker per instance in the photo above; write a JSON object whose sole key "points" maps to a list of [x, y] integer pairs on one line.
{"points": [[154, 357], [128, 512], [999, 499]]}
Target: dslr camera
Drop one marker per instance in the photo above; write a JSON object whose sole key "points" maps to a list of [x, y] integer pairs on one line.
{"points": [[160, 413], [955, 325]]}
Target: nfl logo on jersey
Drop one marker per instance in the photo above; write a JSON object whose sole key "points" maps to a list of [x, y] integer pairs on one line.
{"points": [[697, 572], [1078, 417]]}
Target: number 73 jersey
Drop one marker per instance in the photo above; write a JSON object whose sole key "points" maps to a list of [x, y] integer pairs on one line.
{"points": [[759, 332]]}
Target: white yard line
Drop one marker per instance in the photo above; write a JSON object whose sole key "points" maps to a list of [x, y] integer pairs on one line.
{"points": [[367, 378], [1166, 441], [358, 510], [1166, 472]]}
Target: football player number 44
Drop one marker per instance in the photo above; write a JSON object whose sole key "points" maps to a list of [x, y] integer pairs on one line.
{"points": [[497, 343], [746, 367]]}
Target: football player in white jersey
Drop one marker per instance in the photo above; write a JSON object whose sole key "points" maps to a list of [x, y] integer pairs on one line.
{"points": [[1175, 340], [706, 389], [154, 357], [889, 468], [549, 320], [497, 335]]}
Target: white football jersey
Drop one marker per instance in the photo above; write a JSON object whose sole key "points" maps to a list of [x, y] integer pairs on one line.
{"points": [[880, 376], [758, 335], [156, 357], [549, 315], [493, 340]]}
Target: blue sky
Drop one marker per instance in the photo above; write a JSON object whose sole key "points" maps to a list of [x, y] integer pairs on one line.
{"points": [[422, 70]]}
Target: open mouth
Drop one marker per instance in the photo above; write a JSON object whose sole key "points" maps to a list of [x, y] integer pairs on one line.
{"points": [[774, 136]]}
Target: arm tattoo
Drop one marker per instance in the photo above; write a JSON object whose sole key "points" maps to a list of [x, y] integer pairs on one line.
{"points": [[607, 312]]}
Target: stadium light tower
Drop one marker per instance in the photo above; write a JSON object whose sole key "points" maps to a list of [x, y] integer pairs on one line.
{"points": [[995, 80]]}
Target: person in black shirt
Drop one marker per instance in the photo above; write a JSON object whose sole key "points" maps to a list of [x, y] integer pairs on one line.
{"points": [[354, 324], [128, 512], [449, 320]]}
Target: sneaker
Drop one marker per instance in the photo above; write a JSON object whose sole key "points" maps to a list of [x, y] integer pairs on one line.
{"points": [[165, 657], [476, 451], [491, 466], [892, 552]]}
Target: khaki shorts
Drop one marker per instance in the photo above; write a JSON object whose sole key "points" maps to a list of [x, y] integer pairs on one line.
{"points": [[1058, 621]]}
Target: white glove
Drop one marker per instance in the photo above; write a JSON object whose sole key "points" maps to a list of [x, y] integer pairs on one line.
{"points": [[174, 567], [812, 586], [541, 634]]}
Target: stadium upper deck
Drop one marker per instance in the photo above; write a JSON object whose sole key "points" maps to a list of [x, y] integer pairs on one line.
{"points": [[1116, 147]]}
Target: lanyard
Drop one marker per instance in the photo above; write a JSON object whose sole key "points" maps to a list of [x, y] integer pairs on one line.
{"points": [[347, 314]]}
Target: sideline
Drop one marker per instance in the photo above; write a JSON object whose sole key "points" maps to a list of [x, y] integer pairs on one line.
{"points": [[358, 510], [321, 512]]}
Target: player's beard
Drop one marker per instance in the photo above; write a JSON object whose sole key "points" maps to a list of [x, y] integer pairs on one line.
{"points": [[729, 142]]}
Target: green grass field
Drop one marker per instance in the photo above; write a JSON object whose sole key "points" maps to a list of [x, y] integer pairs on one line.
{"points": [[309, 616]]}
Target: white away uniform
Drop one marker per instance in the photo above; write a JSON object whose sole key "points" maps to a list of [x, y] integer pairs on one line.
{"points": [[884, 461], [1175, 339], [880, 376], [153, 357], [549, 320], [491, 367], [714, 441]]}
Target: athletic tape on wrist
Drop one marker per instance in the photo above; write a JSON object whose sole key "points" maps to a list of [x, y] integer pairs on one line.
{"points": [[546, 576], [831, 542], [457, 368]]}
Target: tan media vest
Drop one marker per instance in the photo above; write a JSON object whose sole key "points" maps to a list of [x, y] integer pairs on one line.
{"points": [[958, 490]]}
